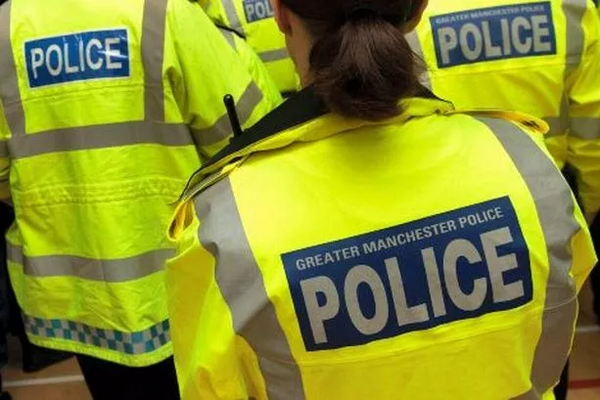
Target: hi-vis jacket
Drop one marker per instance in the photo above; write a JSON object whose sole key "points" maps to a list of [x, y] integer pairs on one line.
{"points": [[105, 110], [538, 57], [304, 274], [253, 19]]}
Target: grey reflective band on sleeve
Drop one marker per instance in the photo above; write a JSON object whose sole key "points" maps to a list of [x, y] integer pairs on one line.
{"points": [[241, 283], [153, 46], [131, 343], [109, 271], [9, 81], [585, 128], [555, 207], [559, 126], [574, 11], [229, 36], [415, 45], [99, 137], [221, 129], [274, 55], [232, 16], [581, 128]]}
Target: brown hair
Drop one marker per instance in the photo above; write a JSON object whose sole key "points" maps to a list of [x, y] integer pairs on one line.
{"points": [[361, 63]]}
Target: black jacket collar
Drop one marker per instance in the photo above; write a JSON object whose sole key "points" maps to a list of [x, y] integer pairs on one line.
{"points": [[302, 107]]}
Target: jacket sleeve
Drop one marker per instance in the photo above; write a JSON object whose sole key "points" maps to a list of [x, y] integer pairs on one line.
{"points": [[205, 68], [4, 159], [582, 250], [584, 114], [205, 345]]}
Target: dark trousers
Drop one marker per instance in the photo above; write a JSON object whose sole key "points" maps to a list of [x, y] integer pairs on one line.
{"points": [[109, 381], [560, 391]]}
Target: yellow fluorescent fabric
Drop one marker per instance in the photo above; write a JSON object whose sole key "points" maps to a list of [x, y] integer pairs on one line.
{"points": [[254, 20], [239, 330], [106, 109], [538, 57]]}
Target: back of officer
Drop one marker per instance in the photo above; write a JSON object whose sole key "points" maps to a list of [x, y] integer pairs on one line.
{"points": [[106, 109], [538, 57], [358, 243], [253, 19]]}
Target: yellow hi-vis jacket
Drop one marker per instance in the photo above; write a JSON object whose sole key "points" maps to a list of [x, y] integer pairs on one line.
{"points": [[537, 57], [254, 20], [302, 273], [106, 109]]}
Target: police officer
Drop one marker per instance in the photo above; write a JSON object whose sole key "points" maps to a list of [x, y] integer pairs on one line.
{"points": [[357, 243], [541, 58], [106, 108], [253, 20]]}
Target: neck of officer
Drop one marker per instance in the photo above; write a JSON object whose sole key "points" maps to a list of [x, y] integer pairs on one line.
{"points": [[299, 44]]}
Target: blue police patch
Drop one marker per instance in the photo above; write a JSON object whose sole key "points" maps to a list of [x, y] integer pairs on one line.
{"points": [[454, 266], [496, 33], [257, 10], [77, 57]]}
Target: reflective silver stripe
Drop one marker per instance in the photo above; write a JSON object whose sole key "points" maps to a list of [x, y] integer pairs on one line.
{"points": [[153, 45], [274, 55], [240, 281], [99, 137], [109, 271], [229, 36], [585, 128], [221, 130], [559, 126], [9, 82], [555, 207], [415, 45], [574, 11], [582, 128], [132, 343], [232, 16]]}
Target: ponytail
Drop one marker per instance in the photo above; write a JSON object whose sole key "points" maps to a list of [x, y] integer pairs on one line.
{"points": [[362, 66]]}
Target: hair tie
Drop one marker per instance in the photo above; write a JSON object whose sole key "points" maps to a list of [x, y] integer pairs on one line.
{"points": [[357, 7]]}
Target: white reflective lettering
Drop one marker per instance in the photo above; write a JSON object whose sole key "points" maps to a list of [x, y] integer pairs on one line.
{"points": [[507, 50], [491, 50], [69, 69], [37, 60], [471, 30], [250, 12], [404, 314], [363, 274], [81, 56], [54, 71], [88, 54], [112, 54], [434, 282], [456, 250], [448, 42], [260, 10], [318, 314], [499, 265], [539, 34], [519, 24]]}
